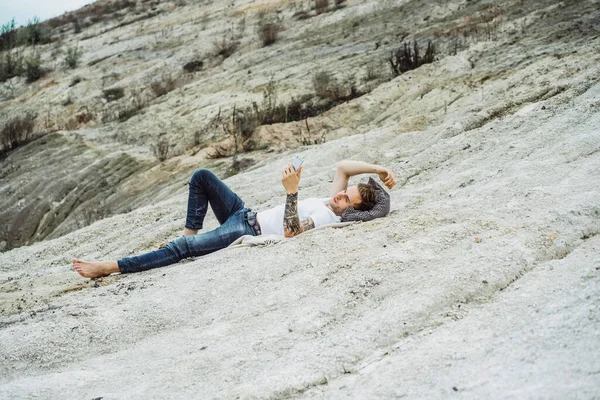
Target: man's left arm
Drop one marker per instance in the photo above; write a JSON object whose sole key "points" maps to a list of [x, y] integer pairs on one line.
{"points": [[347, 168]]}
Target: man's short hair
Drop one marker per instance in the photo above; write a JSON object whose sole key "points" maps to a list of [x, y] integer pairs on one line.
{"points": [[368, 197]]}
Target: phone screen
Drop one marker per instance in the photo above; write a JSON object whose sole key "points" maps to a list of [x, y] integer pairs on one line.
{"points": [[296, 162]]}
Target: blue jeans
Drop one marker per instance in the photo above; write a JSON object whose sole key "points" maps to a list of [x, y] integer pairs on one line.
{"points": [[205, 188]]}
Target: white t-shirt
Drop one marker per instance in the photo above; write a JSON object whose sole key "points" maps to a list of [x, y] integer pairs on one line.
{"points": [[271, 220]]}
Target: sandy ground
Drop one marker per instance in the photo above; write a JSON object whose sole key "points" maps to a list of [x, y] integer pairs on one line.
{"points": [[482, 282]]}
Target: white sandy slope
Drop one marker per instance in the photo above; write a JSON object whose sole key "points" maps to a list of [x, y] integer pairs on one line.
{"points": [[481, 283]]}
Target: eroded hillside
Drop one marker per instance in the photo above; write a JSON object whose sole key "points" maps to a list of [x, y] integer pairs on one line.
{"points": [[481, 283]]}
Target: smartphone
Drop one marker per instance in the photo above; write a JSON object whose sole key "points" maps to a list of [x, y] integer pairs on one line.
{"points": [[297, 162]]}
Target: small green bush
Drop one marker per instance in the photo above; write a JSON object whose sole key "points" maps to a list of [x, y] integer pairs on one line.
{"points": [[34, 33], [11, 65], [8, 35], [72, 57], [33, 68]]}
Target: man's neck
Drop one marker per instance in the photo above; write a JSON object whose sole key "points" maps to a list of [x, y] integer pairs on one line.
{"points": [[333, 211]]}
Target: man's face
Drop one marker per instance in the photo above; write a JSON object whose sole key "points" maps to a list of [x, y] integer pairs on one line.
{"points": [[341, 201]]}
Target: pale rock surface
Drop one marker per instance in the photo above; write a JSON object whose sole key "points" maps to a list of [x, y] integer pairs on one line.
{"points": [[482, 282]]}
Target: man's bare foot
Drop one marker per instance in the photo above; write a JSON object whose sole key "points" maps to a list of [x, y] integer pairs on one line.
{"points": [[94, 269]]}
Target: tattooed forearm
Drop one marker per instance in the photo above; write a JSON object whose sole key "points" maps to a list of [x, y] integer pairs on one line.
{"points": [[291, 221], [307, 224]]}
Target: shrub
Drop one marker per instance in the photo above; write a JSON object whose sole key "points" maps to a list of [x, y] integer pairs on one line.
{"points": [[122, 111], [371, 72], [8, 35], [136, 103], [301, 15], [320, 81], [326, 85], [73, 56], [33, 68], [75, 81], [34, 33], [193, 66], [113, 94], [242, 125], [11, 65], [268, 32], [76, 26], [321, 6], [161, 149], [83, 116], [163, 86], [238, 165], [16, 132], [225, 47], [405, 59]]}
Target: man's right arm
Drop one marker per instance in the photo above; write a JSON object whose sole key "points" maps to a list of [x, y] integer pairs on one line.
{"points": [[347, 168]]}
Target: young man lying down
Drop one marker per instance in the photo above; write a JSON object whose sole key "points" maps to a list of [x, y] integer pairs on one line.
{"points": [[360, 202]]}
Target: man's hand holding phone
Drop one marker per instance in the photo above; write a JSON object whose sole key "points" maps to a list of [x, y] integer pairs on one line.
{"points": [[290, 178]]}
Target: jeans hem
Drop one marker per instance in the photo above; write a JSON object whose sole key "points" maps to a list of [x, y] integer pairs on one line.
{"points": [[193, 228]]}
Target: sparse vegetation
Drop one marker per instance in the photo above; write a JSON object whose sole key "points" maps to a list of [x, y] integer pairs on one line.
{"points": [[239, 165], [83, 116], [240, 127], [113, 94], [34, 33], [122, 111], [72, 57], [33, 68], [268, 31], [309, 139], [135, 104], [16, 132], [339, 3], [193, 66], [93, 13], [405, 59], [244, 121], [225, 47], [329, 87], [75, 81], [11, 65], [371, 72], [161, 149], [92, 213], [321, 6], [324, 83], [8, 35], [162, 86]]}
